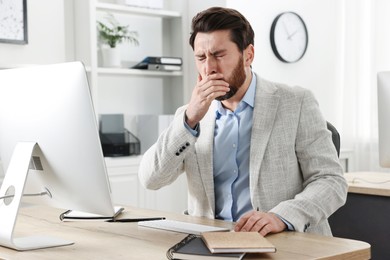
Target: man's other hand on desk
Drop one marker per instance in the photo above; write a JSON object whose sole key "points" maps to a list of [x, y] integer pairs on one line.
{"points": [[261, 222]]}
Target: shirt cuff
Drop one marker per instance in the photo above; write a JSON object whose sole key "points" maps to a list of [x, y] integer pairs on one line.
{"points": [[290, 227], [196, 131]]}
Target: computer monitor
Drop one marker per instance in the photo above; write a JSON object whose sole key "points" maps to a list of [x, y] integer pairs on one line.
{"points": [[49, 144], [384, 118]]}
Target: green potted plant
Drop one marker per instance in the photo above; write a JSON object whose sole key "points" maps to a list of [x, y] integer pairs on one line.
{"points": [[111, 34]]}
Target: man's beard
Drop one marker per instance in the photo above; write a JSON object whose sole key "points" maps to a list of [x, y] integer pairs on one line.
{"points": [[235, 81]]}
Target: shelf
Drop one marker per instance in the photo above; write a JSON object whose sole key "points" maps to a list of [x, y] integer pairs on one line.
{"points": [[137, 10], [135, 72]]}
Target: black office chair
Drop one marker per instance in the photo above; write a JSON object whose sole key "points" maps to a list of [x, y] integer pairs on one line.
{"points": [[335, 137]]}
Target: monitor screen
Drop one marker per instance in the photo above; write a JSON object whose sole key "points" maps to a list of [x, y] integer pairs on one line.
{"points": [[51, 106], [384, 118]]}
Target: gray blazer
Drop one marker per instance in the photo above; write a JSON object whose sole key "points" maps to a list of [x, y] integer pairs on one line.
{"points": [[294, 168]]}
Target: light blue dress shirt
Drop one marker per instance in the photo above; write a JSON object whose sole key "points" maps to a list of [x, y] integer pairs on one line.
{"points": [[232, 136]]}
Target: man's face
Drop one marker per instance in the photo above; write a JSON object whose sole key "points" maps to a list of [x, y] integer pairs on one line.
{"points": [[216, 53]]}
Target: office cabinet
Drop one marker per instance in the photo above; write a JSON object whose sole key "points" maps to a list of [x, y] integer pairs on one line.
{"points": [[122, 172], [126, 189], [365, 215]]}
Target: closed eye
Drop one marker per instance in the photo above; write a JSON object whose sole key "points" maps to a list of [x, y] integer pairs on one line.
{"points": [[200, 57], [219, 53]]}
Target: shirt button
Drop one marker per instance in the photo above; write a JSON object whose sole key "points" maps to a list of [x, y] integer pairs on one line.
{"points": [[234, 145]]}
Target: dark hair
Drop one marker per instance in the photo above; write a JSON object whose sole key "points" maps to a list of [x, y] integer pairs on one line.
{"points": [[220, 18]]}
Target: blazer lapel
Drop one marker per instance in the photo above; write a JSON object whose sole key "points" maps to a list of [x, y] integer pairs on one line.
{"points": [[204, 151], [266, 104]]}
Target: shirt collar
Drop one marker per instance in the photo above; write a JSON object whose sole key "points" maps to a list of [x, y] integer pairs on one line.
{"points": [[248, 99]]}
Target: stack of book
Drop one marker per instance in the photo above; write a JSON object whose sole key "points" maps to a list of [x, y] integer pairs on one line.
{"points": [[160, 63], [220, 245]]}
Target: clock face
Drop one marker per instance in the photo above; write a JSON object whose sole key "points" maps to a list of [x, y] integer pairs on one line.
{"points": [[289, 37]]}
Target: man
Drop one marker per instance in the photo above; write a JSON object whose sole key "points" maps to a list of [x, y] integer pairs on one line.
{"points": [[254, 151]]}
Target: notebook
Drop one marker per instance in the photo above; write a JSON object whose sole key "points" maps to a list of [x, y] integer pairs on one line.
{"points": [[192, 247], [73, 215], [235, 242]]}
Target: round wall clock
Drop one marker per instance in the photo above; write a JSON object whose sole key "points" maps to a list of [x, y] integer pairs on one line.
{"points": [[289, 37]]}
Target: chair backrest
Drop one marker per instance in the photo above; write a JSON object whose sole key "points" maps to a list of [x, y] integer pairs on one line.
{"points": [[335, 137]]}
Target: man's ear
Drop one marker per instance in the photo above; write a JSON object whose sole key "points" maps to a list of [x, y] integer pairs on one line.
{"points": [[249, 55]]}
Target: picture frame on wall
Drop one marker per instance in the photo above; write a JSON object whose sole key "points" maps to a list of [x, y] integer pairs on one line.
{"points": [[13, 25]]}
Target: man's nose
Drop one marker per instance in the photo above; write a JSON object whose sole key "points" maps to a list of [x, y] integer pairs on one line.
{"points": [[210, 66]]}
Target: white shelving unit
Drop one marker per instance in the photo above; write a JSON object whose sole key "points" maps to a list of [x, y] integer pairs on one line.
{"points": [[130, 91], [165, 36]]}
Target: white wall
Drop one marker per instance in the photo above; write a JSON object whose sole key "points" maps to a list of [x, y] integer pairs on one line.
{"points": [[46, 36], [348, 43], [366, 52], [320, 70], [382, 35]]}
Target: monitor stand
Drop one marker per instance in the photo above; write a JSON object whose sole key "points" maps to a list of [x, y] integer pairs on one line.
{"points": [[12, 189]]}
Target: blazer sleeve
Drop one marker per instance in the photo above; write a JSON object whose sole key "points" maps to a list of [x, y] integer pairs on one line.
{"points": [[162, 163], [324, 187]]}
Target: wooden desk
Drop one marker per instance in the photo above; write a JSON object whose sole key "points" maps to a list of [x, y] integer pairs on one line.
{"points": [[370, 183], [104, 240], [365, 216]]}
